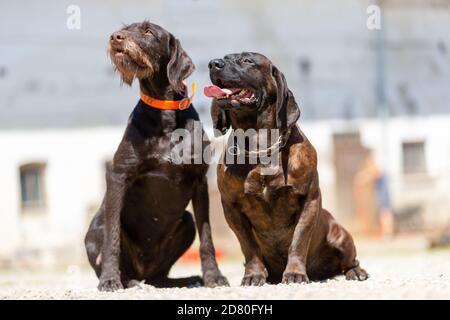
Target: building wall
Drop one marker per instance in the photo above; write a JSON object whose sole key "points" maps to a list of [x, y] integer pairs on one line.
{"points": [[385, 138], [76, 165], [61, 103], [51, 76], [74, 183]]}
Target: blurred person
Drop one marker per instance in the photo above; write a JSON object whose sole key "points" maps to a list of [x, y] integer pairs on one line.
{"points": [[371, 178]]}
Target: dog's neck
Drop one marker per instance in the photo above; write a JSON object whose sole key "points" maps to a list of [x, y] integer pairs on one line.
{"points": [[158, 87], [253, 119], [243, 119]]}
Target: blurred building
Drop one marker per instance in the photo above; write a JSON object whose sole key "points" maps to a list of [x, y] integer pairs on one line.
{"points": [[62, 109]]}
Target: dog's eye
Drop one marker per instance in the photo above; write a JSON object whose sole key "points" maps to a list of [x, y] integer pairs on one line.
{"points": [[247, 60]]}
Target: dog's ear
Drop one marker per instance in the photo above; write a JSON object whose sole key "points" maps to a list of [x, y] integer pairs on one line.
{"points": [[220, 119], [180, 65], [287, 110]]}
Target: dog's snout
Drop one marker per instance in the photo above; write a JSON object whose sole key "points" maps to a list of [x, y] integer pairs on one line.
{"points": [[216, 63], [117, 36]]}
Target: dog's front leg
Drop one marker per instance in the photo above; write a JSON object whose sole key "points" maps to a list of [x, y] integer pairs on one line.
{"points": [[295, 271], [115, 190], [212, 277], [255, 273]]}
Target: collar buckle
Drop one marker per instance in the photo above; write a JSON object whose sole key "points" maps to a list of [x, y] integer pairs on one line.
{"points": [[184, 104]]}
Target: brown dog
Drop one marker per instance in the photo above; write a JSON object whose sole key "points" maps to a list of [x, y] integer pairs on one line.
{"points": [[142, 227], [284, 233]]}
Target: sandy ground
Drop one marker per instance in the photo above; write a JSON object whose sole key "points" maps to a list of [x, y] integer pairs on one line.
{"points": [[423, 275]]}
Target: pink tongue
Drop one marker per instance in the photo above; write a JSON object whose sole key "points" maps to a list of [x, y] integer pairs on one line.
{"points": [[213, 91]]}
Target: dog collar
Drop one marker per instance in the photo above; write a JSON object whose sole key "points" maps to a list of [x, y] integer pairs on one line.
{"points": [[276, 147], [171, 104]]}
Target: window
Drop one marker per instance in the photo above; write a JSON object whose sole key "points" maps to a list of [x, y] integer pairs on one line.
{"points": [[32, 185], [414, 157]]}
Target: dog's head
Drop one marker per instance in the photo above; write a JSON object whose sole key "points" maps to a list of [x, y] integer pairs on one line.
{"points": [[142, 50], [249, 83]]}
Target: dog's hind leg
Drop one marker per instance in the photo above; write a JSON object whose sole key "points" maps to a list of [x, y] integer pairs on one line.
{"points": [[94, 245], [93, 241], [176, 243], [340, 239]]}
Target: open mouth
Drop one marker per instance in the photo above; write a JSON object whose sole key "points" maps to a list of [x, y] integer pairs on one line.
{"points": [[123, 57], [244, 96], [119, 55]]}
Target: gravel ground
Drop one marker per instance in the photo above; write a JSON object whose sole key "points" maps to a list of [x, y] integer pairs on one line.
{"points": [[408, 276]]}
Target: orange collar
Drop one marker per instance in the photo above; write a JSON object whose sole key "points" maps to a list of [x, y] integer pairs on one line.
{"points": [[171, 104]]}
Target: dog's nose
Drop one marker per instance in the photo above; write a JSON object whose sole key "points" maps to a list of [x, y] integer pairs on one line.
{"points": [[117, 36], [216, 63]]}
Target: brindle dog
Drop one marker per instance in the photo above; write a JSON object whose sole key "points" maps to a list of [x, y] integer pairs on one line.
{"points": [[284, 233], [142, 227]]}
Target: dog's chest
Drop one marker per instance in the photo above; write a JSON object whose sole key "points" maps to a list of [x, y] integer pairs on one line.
{"points": [[178, 149], [265, 199]]}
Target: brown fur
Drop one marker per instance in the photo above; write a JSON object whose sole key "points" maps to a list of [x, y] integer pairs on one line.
{"points": [[139, 66], [284, 233]]}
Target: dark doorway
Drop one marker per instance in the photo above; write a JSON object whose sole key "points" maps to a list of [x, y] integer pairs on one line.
{"points": [[349, 154]]}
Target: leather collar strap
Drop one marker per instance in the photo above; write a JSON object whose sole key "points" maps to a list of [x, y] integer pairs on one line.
{"points": [[171, 104]]}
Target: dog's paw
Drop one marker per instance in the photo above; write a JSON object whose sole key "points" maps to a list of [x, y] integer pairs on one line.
{"points": [[255, 279], [194, 282], [357, 273], [135, 284], [213, 279], [294, 277], [110, 284]]}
